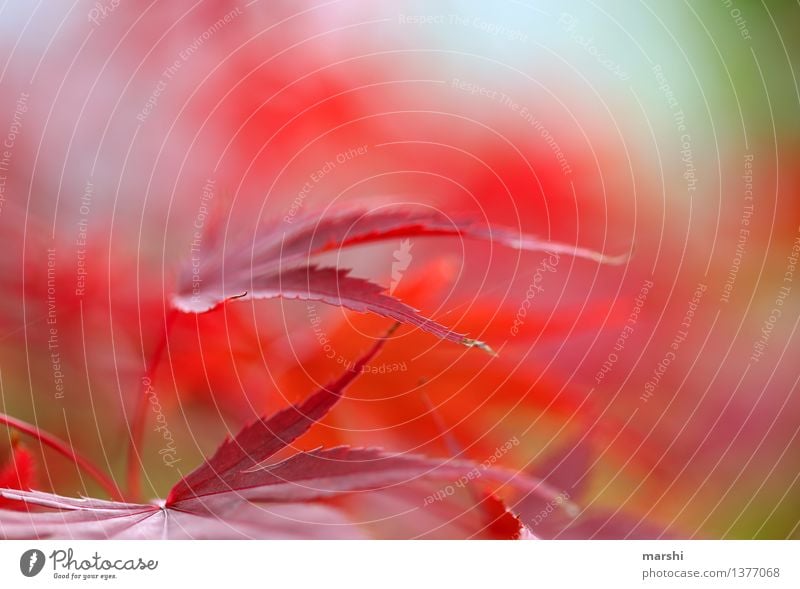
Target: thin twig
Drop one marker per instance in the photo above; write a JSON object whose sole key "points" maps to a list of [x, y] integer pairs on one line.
{"points": [[140, 412]]}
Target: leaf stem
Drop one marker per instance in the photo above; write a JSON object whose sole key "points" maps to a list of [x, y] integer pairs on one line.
{"points": [[140, 412], [65, 450]]}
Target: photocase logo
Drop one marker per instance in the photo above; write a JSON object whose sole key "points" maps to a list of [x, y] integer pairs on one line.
{"points": [[31, 562], [402, 259]]}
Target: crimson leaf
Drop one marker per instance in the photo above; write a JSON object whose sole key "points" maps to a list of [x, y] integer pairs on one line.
{"points": [[237, 494], [276, 262]]}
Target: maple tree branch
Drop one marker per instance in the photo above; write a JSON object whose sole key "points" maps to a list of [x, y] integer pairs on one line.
{"points": [[65, 450]]}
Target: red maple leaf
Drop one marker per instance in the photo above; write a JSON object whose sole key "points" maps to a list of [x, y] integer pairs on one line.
{"points": [[238, 493], [275, 263]]}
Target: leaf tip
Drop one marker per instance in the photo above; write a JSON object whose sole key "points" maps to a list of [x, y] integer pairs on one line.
{"points": [[619, 259], [474, 343]]}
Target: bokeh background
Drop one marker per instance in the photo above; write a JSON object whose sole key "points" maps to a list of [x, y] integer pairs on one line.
{"points": [[660, 395]]}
